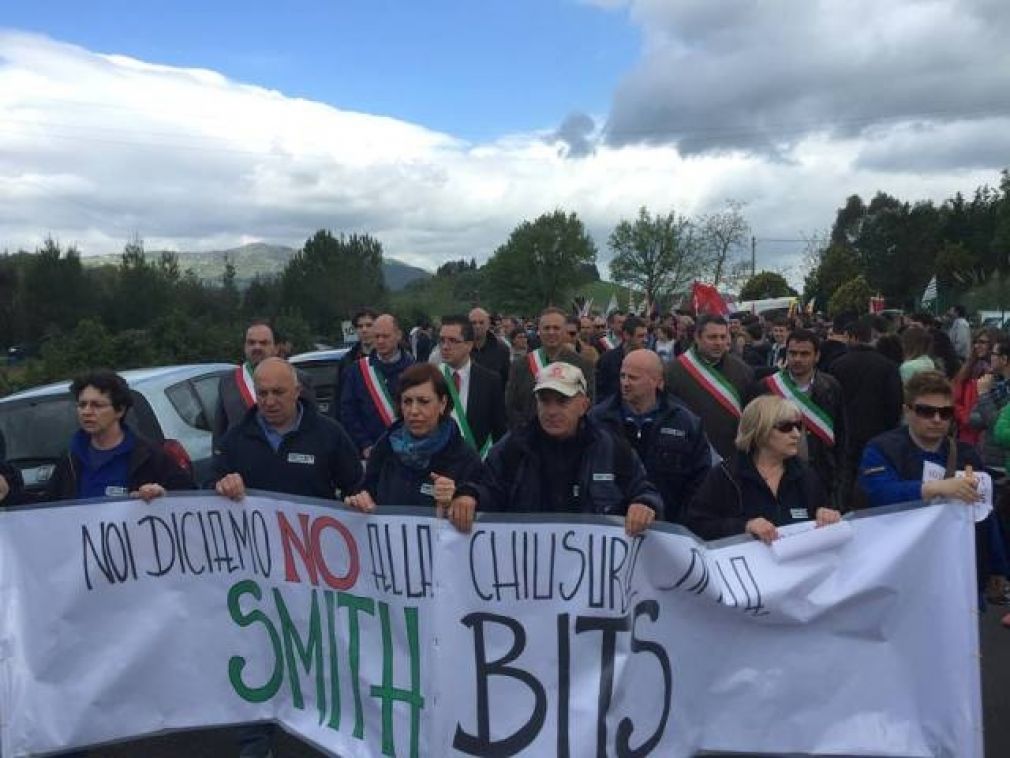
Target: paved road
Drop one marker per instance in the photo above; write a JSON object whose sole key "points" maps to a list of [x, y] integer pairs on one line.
{"points": [[995, 697]]}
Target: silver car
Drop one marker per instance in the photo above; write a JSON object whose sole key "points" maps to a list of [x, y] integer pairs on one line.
{"points": [[172, 405]]}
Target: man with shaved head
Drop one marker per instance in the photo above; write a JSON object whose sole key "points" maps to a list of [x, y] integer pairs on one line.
{"points": [[284, 445], [667, 436], [366, 397], [489, 351]]}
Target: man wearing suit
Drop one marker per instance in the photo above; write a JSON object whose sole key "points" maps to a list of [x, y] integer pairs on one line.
{"points": [[477, 392]]}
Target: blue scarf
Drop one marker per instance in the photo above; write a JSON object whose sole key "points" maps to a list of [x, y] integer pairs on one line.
{"points": [[417, 452]]}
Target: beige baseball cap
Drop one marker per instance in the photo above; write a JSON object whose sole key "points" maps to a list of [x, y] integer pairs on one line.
{"points": [[561, 377]]}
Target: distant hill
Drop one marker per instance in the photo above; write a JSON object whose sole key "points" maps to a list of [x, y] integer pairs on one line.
{"points": [[258, 258]]}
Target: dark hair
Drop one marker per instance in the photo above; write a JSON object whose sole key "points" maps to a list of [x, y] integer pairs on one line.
{"points": [[859, 330], [370, 312], [754, 329], [708, 318], [804, 335], [261, 322], [422, 373], [631, 323], [108, 383], [574, 321], [841, 322], [1003, 343], [466, 328], [926, 383], [915, 341], [781, 321], [889, 345], [612, 315], [959, 310]]}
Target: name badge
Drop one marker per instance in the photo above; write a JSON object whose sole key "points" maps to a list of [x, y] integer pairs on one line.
{"points": [[428, 489], [671, 431], [575, 490], [112, 491], [798, 512], [603, 477], [301, 458]]}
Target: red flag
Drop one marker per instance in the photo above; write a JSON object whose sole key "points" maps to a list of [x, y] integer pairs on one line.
{"points": [[708, 300]]}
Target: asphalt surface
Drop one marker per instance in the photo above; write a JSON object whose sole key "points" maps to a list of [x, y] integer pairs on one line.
{"points": [[220, 743]]}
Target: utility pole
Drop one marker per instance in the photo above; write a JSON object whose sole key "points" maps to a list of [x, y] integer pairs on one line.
{"points": [[753, 256]]}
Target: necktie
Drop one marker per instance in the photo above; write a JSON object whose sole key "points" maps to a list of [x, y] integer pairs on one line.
{"points": [[456, 380]]}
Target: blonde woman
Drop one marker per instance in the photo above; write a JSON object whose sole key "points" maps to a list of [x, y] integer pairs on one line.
{"points": [[766, 485]]}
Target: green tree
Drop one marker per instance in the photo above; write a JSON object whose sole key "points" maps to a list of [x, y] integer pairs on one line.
{"points": [[539, 264], [854, 295], [330, 276], [55, 295], [836, 265], [766, 284], [657, 255]]}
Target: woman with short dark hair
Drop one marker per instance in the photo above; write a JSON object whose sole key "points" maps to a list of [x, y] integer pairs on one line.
{"points": [[421, 457]]}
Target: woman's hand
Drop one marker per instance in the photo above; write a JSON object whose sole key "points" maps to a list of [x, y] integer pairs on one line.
{"points": [[825, 516], [762, 529], [461, 511], [360, 502], [445, 488], [148, 492]]}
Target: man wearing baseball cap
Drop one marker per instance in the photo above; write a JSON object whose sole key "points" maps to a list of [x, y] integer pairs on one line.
{"points": [[561, 462]]}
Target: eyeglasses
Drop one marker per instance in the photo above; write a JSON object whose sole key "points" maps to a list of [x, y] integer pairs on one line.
{"points": [[787, 427], [945, 412], [98, 405]]}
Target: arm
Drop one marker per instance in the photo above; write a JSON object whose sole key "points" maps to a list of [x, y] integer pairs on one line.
{"points": [[881, 482], [711, 513], [345, 465], [220, 416], [893, 398], [698, 463], [350, 406]]}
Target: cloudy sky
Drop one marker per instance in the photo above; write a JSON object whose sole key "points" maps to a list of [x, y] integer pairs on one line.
{"points": [[438, 126]]}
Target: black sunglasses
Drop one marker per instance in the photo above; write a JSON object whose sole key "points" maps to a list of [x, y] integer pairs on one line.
{"points": [[789, 426], [945, 412]]}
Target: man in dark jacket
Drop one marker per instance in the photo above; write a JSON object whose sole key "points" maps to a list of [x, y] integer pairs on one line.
{"points": [[368, 387], [819, 397], [489, 351], [363, 321], [284, 445], [871, 388], [106, 457], [837, 343], [562, 462], [608, 369], [666, 435], [711, 382]]}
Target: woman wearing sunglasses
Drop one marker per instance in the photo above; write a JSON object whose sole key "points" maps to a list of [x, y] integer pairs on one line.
{"points": [[767, 484]]}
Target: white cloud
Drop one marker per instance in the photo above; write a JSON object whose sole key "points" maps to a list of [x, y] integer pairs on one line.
{"points": [[97, 148]]}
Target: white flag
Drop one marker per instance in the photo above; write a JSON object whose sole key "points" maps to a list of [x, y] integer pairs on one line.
{"points": [[929, 295]]}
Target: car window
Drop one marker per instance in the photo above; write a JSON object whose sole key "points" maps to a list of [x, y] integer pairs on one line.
{"points": [[186, 403], [207, 390], [322, 374], [38, 428]]}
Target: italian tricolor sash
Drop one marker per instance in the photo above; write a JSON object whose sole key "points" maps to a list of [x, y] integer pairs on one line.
{"points": [[537, 361], [244, 382], [377, 391], [608, 344], [712, 381], [460, 416], [814, 417]]}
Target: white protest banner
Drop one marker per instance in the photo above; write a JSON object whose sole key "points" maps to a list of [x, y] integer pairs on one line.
{"points": [[393, 634]]}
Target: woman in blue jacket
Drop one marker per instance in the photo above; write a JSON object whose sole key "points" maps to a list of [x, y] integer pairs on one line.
{"points": [[421, 457]]}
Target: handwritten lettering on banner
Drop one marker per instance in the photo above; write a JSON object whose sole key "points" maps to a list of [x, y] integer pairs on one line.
{"points": [[393, 634]]}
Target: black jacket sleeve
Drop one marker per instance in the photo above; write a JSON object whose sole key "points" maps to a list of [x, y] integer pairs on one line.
{"points": [[714, 512]]}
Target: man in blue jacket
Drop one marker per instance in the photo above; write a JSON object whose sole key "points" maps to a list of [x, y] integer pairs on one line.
{"points": [[369, 386], [561, 462], [666, 435]]}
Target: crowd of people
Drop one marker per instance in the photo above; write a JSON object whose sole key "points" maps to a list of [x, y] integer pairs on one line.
{"points": [[726, 425]]}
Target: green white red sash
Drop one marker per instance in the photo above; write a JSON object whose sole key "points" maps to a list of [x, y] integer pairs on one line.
{"points": [[377, 391], [244, 382], [712, 381], [459, 414], [814, 417], [537, 361]]}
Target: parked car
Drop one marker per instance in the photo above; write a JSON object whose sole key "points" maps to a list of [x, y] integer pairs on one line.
{"points": [[321, 366], [172, 405]]}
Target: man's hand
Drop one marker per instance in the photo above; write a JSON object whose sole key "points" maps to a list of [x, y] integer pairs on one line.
{"points": [[638, 519], [148, 492], [984, 383], [461, 511], [825, 516], [5, 488], [953, 489], [361, 502], [231, 486], [763, 529]]}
